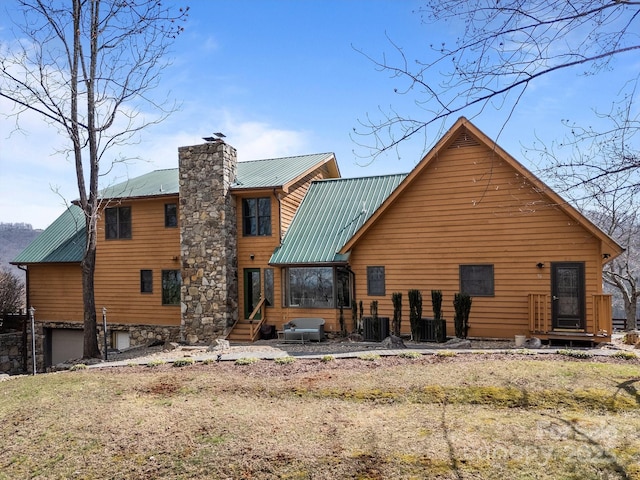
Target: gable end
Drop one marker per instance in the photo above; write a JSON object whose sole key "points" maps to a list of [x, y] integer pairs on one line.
{"points": [[465, 139]]}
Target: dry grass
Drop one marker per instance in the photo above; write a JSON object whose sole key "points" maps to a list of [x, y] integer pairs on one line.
{"points": [[469, 416]]}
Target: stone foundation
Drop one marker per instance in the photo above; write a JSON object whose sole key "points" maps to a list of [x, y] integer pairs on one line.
{"points": [[11, 353]]}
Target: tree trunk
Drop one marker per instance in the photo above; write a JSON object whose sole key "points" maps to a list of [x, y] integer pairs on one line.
{"points": [[631, 311], [90, 349]]}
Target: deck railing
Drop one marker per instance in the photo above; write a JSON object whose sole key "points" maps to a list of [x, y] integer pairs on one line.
{"points": [[602, 315], [256, 324], [539, 313]]}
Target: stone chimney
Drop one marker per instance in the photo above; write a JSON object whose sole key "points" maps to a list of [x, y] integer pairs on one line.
{"points": [[208, 241]]}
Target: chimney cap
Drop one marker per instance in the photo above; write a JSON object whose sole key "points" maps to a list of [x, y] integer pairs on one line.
{"points": [[217, 138]]}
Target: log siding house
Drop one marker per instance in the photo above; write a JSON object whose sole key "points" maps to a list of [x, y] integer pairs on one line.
{"points": [[216, 248]]}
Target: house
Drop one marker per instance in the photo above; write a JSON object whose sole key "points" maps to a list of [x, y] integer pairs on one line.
{"points": [[217, 248]]}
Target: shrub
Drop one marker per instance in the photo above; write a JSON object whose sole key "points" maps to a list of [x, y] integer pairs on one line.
{"points": [[462, 307], [78, 366], [246, 361], [409, 355], [328, 358], [183, 362], [155, 363], [575, 353], [624, 355], [396, 299], [284, 360], [415, 313], [446, 353], [369, 357]]}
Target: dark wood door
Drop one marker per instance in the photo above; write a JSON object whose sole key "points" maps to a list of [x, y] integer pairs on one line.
{"points": [[568, 295]]}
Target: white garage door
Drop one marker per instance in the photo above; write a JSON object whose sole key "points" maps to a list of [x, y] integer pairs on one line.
{"points": [[66, 344]]}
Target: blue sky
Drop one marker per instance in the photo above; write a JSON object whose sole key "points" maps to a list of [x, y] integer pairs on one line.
{"points": [[284, 77]]}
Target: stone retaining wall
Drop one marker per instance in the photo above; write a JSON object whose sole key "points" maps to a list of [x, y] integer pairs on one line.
{"points": [[11, 353]]}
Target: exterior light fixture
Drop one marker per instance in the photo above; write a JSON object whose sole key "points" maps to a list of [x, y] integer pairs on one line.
{"points": [[540, 265]]}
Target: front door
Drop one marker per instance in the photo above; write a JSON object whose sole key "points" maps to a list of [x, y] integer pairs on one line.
{"points": [[251, 291], [567, 296]]}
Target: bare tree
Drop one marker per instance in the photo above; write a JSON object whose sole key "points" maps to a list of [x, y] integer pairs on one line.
{"points": [[599, 171], [89, 67], [11, 292], [504, 46]]}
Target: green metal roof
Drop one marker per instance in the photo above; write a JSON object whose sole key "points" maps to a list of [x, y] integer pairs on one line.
{"points": [[331, 212], [276, 172], [269, 173], [63, 241], [158, 182]]}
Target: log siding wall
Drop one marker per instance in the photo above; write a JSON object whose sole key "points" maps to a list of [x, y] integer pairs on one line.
{"points": [[471, 207]]}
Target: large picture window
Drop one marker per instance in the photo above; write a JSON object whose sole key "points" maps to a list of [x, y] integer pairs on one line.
{"points": [[318, 287], [171, 282], [477, 280], [117, 222], [256, 216], [311, 287]]}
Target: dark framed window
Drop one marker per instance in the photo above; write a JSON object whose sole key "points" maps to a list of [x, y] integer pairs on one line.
{"points": [[343, 287], [477, 280], [146, 281], [117, 222], [171, 282], [318, 287], [256, 216], [310, 287], [170, 215], [375, 281], [268, 286]]}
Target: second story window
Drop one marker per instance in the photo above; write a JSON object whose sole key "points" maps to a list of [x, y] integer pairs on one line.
{"points": [[256, 216], [117, 222], [170, 215]]}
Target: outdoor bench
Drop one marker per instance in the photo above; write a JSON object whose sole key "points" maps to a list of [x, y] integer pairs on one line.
{"points": [[303, 329]]}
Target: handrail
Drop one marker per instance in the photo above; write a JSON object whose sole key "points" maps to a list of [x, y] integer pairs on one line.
{"points": [[262, 318]]}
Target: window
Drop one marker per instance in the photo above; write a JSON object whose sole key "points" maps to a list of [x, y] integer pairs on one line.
{"points": [[375, 281], [268, 286], [170, 215], [171, 282], [146, 281], [117, 222], [256, 216], [311, 287], [343, 287], [476, 280]]}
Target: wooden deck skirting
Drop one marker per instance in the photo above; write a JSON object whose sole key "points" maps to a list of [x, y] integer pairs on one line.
{"points": [[540, 314]]}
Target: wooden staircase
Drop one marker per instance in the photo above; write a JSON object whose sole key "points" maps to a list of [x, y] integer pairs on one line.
{"points": [[248, 331], [244, 331]]}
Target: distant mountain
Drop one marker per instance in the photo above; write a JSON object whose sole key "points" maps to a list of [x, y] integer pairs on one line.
{"points": [[15, 237]]}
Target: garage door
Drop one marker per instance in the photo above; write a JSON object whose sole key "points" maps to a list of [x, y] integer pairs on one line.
{"points": [[66, 344]]}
